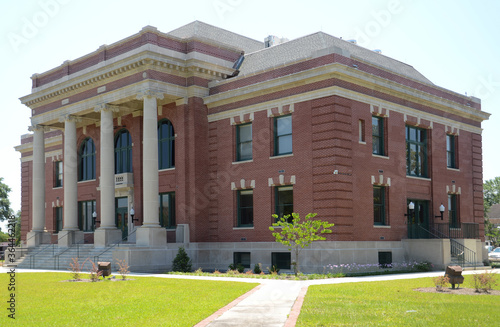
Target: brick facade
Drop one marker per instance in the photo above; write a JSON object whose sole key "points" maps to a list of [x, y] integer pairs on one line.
{"points": [[331, 100]]}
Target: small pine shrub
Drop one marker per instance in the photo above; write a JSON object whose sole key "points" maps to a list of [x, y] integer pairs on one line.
{"points": [[240, 268], [257, 269], [182, 262], [231, 266]]}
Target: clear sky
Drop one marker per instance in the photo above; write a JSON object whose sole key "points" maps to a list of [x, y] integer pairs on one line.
{"points": [[455, 44]]}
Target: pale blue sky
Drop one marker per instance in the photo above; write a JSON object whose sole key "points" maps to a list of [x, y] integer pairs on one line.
{"points": [[453, 43]]}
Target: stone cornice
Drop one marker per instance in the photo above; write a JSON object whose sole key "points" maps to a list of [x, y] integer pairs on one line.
{"points": [[348, 74], [100, 75]]}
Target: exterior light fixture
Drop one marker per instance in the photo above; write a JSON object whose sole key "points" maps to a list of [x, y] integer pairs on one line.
{"points": [[441, 211], [411, 208], [132, 214], [94, 218]]}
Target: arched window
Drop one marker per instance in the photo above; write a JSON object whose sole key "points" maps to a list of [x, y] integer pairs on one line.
{"points": [[123, 152], [86, 169], [166, 145]]}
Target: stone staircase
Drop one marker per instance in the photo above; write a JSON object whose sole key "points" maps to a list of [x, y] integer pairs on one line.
{"points": [[52, 257]]}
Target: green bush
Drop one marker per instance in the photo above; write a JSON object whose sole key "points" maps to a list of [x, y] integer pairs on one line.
{"points": [[257, 270], [240, 268], [424, 266], [182, 262]]}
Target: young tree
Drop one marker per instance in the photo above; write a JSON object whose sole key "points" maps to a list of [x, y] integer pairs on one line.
{"points": [[491, 232], [299, 234], [491, 193], [5, 210]]}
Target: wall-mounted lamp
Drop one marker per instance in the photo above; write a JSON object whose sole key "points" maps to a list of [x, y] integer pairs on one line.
{"points": [[132, 214], [94, 218], [441, 210], [410, 215]]}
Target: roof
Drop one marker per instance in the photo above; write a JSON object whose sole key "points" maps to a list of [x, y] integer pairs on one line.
{"points": [[494, 211], [219, 35], [307, 47]]}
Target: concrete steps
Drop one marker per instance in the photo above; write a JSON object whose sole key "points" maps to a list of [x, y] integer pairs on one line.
{"points": [[55, 258]]}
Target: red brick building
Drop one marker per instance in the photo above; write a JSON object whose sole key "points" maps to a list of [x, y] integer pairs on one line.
{"points": [[205, 134]]}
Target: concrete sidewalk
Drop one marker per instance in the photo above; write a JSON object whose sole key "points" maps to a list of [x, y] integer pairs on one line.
{"points": [[272, 303]]}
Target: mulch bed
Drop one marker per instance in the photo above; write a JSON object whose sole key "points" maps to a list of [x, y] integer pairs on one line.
{"points": [[461, 291], [83, 280]]}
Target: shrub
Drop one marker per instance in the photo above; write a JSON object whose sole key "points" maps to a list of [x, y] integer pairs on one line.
{"points": [[94, 272], [485, 281], [257, 269], [76, 268], [231, 266], [123, 270], [181, 262], [440, 282], [240, 268], [274, 270], [424, 266], [198, 271]]}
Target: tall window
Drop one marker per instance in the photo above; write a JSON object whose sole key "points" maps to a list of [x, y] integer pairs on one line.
{"points": [[86, 169], [282, 135], [379, 207], [452, 211], [166, 145], [85, 219], [58, 213], [245, 208], [361, 127], [167, 210], [282, 260], [378, 135], [58, 174], [451, 151], [284, 201], [416, 151], [244, 142], [241, 258], [123, 152]]}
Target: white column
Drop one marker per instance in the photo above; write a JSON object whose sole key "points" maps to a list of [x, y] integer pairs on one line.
{"points": [[107, 232], [35, 237], [70, 233], [150, 234]]}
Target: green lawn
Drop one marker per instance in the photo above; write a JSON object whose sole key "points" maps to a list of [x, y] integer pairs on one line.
{"points": [[44, 300], [394, 303]]}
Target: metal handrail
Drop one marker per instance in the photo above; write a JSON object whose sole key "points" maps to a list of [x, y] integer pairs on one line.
{"points": [[57, 256], [96, 257], [463, 253]]}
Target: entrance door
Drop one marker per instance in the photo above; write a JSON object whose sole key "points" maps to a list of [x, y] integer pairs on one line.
{"points": [[122, 216], [418, 221]]}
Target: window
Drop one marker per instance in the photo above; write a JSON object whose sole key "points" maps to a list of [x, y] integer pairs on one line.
{"points": [[284, 201], [379, 207], [282, 260], [451, 151], [452, 211], [244, 142], [416, 152], [123, 152], [385, 259], [282, 135], [361, 131], [86, 170], [58, 213], [245, 208], [167, 210], [58, 174], [378, 136], [241, 258], [166, 145], [85, 211]]}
